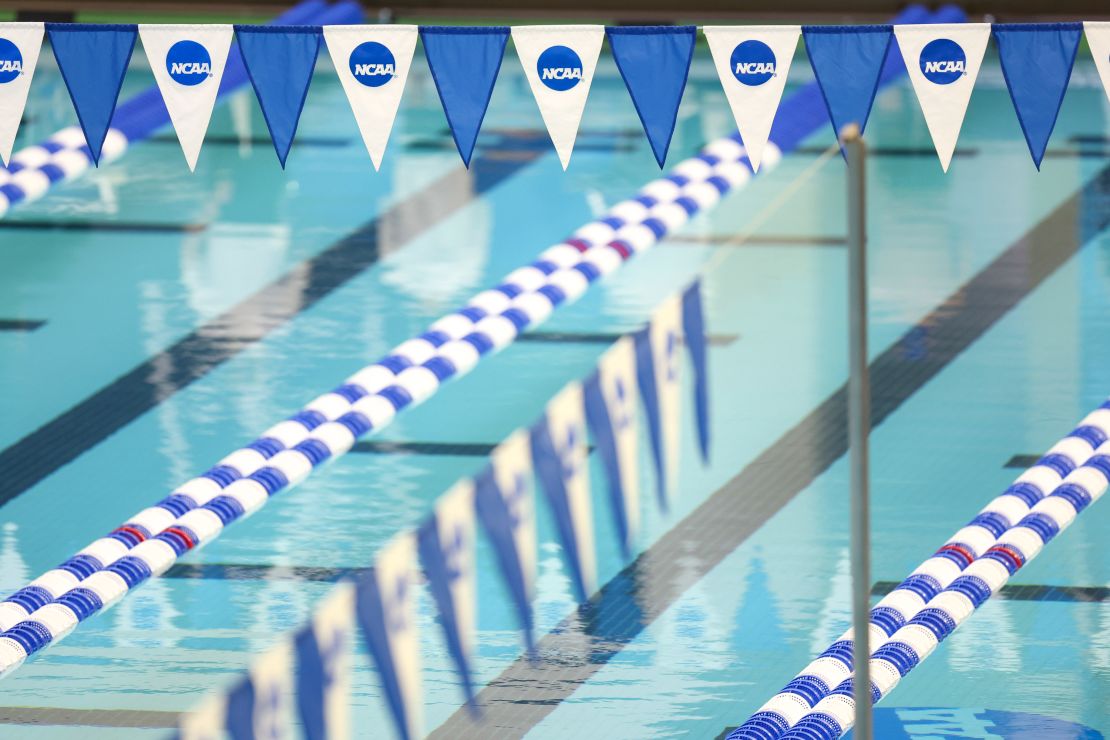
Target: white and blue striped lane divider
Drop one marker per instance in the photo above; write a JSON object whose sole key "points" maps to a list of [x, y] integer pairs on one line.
{"points": [[950, 568], [35, 169], [98, 576], [912, 643]]}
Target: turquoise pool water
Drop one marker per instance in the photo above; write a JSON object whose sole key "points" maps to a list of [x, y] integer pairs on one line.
{"points": [[153, 254]]}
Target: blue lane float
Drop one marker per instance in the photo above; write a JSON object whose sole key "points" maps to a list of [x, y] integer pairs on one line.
{"points": [[35, 170], [197, 512]]}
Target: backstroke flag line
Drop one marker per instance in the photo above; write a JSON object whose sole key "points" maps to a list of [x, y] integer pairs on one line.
{"points": [[324, 650], [943, 62], [93, 59], [610, 399], [1037, 60], [446, 542], [753, 62], [847, 61], [464, 63], [279, 62], [559, 62], [19, 53], [654, 62], [560, 456], [1098, 38], [386, 608], [506, 507], [188, 63], [658, 374], [373, 65]]}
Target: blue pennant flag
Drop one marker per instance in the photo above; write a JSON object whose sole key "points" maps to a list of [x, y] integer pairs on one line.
{"points": [[446, 544], [654, 62], [645, 379], [1037, 60], [559, 456], [657, 374], [506, 508], [279, 62], [847, 61], [464, 63], [693, 329], [323, 652], [93, 59]]}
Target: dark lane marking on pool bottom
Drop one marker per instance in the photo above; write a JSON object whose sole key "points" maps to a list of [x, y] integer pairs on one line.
{"points": [[21, 324], [757, 240], [1030, 592], [331, 142], [894, 151], [67, 436], [575, 337], [102, 226], [58, 717], [256, 572], [1021, 462], [568, 656]]}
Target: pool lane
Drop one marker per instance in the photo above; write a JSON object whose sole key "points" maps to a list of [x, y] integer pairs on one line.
{"points": [[175, 638]]}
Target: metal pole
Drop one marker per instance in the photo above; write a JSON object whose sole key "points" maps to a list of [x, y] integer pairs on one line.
{"points": [[859, 427]]}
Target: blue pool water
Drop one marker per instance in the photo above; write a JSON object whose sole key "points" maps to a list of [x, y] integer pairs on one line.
{"points": [[115, 292]]}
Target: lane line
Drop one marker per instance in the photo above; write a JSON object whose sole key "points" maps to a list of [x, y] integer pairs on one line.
{"points": [[1028, 592], [21, 324], [101, 226], [61, 717]]}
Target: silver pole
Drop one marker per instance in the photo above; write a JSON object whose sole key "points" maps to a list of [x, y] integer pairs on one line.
{"points": [[859, 426]]}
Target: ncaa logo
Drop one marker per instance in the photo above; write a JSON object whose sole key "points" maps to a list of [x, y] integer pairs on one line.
{"points": [[560, 68], [188, 63], [373, 64], [943, 61], [753, 63], [11, 61]]}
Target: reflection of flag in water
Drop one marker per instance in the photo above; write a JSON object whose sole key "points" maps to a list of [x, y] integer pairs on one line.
{"points": [[657, 371], [610, 410], [446, 542], [324, 649], [386, 608], [258, 706], [506, 506], [693, 328], [559, 455]]}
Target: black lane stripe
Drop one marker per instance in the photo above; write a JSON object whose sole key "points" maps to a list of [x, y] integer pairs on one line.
{"points": [[526, 692], [57, 717], [386, 447], [1030, 592], [333, 142], [21, 324], [109, 409], [255, 572], [575, 337], [1022, 461], [894, 151], [102, 226], [758, 240]]}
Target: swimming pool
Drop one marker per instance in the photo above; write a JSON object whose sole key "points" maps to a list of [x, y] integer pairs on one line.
{"points": [[151, 257]]}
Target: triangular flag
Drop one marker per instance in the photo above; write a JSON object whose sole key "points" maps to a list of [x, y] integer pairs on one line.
{"points": [[559, 62], [657, 373], [206, 722], [610, 397], [259, 706], [506, 507], [324, 649], [693, 331], [560, 456], [447, 545], [943, 61], [373, 64], [19, 53], [188, 62], [1037, 60], [386, 608], [279, 62], [847, 61], [654, 62], [464, 63], [752, 62], [93, 59], [1098, 38]]}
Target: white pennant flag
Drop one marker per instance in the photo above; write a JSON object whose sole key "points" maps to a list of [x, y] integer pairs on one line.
{"points": [[188, 63], [1098, 38], [753, 62], [559, 62], [372, 63], [943, 61], [666, 346], [206, 722], [19, 53], [617, 381]]}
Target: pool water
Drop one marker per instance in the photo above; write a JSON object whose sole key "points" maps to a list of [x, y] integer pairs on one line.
{"points": [[131, 260]]}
